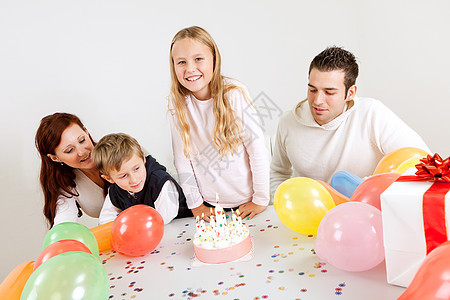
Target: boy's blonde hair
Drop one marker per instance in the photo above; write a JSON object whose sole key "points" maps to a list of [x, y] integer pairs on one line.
{"points": [[227, 129], [113, 149]]}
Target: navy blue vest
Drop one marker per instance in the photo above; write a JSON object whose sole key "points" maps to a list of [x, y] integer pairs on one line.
{"points": [[156, 178]]}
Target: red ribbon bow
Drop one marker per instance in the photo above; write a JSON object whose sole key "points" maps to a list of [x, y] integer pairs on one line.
{"points": [[434, 168]]}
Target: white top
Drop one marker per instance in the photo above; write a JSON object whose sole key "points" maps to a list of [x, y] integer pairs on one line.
{"points": [[90, 198], [166, 204], [238, 178], [355, 141]]}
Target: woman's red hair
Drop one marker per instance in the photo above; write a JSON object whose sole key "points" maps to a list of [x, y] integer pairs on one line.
{"points": [[56, 178]]}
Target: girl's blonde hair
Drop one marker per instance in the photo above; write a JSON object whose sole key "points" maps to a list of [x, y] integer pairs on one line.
{"points": [[227, 129]]}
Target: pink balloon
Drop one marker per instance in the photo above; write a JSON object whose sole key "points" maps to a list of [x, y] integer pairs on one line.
{"points": [[350, 237], [369, 190]]}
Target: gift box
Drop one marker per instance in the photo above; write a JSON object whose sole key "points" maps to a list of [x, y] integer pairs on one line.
{"points": [[416, 217]]}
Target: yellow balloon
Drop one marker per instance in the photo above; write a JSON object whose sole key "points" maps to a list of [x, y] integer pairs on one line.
{"points": [[301, 203], [409, 163], [391, 161]]}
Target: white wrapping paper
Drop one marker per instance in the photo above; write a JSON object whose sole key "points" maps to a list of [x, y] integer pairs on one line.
{"points": [[403, 229]]}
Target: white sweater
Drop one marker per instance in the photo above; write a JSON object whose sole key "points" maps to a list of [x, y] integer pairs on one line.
{"points": [[90, 198], [355, 141], [237, 179]]}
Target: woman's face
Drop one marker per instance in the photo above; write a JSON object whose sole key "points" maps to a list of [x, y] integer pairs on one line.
{"points": [[74, 149]]}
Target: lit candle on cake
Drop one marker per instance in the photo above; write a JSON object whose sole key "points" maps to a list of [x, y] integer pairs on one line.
{"points": [[212, 223], [239, 219], [202, 224], [233, 217], [220, 214], [197, 224]]}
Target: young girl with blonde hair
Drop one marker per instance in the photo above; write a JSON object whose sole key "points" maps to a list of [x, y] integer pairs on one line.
{"points": [[218, 145]]}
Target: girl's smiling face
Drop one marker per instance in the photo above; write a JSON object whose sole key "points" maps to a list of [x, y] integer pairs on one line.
{"points": [[194, 66]]}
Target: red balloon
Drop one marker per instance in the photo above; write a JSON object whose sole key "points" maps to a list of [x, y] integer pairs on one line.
{"points": [[137, 230], [432, 280], [59, 247], [369, 190]]}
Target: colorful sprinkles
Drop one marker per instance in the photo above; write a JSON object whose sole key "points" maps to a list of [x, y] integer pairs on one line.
{"points": [[234, 280]]}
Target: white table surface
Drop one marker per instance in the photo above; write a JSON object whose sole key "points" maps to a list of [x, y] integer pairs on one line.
{"points": [[283, 266]]}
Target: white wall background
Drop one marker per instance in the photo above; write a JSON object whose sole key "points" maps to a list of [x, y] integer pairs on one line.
{"points": [[107, 62]]}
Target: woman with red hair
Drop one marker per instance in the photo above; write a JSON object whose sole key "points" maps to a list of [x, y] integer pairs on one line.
{"points": [[69, 179]]}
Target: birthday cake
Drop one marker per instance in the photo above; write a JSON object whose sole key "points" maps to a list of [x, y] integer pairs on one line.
{"points": [[221, 242]]}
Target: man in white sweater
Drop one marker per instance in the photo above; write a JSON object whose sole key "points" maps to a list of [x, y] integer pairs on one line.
{"points": [[333, 130]]}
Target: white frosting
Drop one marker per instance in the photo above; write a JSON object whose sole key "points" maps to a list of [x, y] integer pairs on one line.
{"points": [[219, 234]]}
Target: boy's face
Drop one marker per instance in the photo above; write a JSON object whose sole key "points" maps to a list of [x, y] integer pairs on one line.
{"points": [[131, 176]]}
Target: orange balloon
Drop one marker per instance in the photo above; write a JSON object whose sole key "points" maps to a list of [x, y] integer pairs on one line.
{"points": [[409, 163], [432, 280], [391, 161], [102, 234], [59, 247], [11, 288], [369, 190], [338, 198]]}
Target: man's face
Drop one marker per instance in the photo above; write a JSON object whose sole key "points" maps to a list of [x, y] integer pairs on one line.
{"points": [[131, 176], [326, 94]]}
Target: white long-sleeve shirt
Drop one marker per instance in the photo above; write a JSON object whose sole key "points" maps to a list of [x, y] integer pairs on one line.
{"points": [[90, 198], [355, 141], [166, 204], [238, 178]]}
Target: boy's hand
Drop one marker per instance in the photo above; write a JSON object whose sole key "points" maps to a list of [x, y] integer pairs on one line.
{"points": [[202, 209], [250, 210]]}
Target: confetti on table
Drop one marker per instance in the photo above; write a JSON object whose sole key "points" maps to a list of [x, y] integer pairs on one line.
{"points": [[338, 291], [298, 269]]}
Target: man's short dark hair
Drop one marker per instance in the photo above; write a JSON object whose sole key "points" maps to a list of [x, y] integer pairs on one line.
{"points": [[336, 58]]}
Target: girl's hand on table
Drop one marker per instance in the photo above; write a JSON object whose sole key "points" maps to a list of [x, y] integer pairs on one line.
{"points": [[202, 210], [250, 210]]}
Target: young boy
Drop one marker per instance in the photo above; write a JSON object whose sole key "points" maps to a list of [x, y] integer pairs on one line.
{"points": [[135, 179]]}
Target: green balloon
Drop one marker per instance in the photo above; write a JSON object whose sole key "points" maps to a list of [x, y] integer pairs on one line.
{"points": [[68, 276], [73, 231]]}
